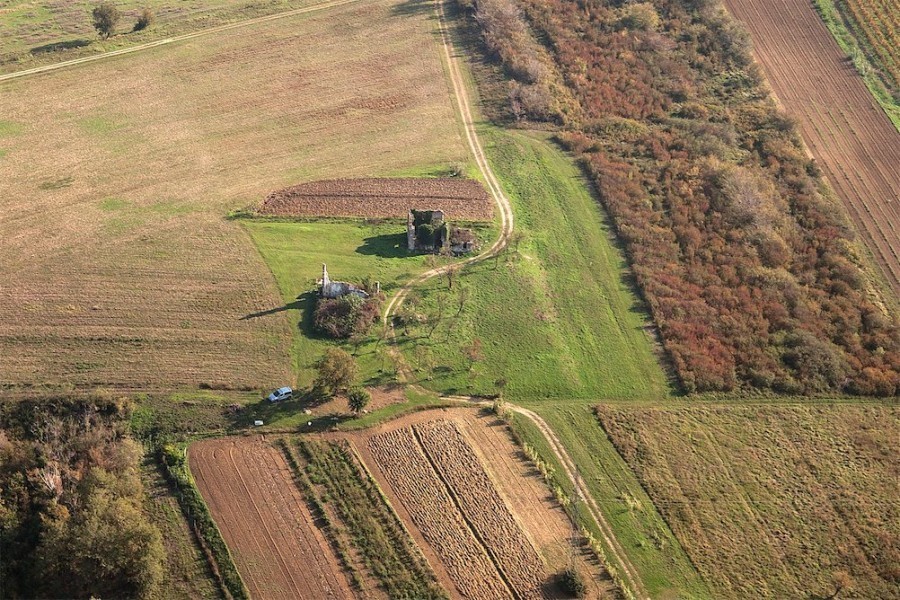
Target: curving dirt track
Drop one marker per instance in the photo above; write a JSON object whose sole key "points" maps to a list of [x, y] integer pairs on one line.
{"points": [[854, 142], [277, 546]]}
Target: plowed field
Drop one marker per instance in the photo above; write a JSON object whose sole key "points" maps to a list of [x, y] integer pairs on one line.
{"points": [[852, 139], [463, 199], [277, 547]]}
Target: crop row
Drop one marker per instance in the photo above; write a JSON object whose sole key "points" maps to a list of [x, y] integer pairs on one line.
{"points": [[485, 509], [435, 514]]}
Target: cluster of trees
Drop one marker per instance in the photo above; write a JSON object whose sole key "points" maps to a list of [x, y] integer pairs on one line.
{"points": [[71, 520], [535, 91], [347, 316], [747, 264], [106, 18], [336, 372]]}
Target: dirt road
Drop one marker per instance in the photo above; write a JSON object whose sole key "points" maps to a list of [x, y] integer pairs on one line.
{"points": [[854, 142]]}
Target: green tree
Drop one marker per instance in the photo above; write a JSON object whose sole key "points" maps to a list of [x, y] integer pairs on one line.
{"points": [[357, 399], [106, 17], [336, 371]]}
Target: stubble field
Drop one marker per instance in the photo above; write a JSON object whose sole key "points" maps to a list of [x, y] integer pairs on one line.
{"points": [[773, 501], [117, 265], [850, 136]]}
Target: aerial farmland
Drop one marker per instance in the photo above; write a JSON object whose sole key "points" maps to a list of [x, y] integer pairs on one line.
{"points": [[449, 299]]}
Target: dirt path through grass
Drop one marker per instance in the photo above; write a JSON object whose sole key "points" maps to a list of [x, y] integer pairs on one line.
{"points": [[503, 205], [179, 38]]}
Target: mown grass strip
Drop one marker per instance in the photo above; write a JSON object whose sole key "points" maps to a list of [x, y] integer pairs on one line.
{"points": [[664, 567], [854, 48], [173, 457]]}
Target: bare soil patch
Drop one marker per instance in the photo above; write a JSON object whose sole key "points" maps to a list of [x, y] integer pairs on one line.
{"points": [[274, 539], [847, 132], [463, 199]]}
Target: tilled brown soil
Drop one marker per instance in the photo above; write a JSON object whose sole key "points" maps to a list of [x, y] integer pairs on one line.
{"points": [[847, 132], [460, 199], [277, 546]]}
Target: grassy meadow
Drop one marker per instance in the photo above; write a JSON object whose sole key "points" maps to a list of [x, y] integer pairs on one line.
{"points": [[120, 267], [773, 501], [554, 315]]}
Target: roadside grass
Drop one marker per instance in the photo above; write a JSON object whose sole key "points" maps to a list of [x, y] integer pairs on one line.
{"points": [[117, 175], [555, 315], [857, 48], [769, 500], [363, 518], [665, 570], [34, 34], [187, 574]]}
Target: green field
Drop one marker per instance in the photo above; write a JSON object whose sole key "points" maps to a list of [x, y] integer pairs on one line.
{"points": [[555, 315]]}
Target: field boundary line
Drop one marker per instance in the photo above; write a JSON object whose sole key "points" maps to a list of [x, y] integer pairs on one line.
{"points": [[175, 39], [585, 496]]}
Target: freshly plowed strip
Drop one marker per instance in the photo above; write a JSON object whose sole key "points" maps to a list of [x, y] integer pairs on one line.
{"points": [[433, 511], [464, 199], [483, 506], [855, 143], [266, 523]]}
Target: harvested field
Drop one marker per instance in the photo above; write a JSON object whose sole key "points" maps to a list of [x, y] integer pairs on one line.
{"points": [[773, 501], [117, 267], [273, 537], [460, 199], [490, 527], [854, 142], [878, 24]]}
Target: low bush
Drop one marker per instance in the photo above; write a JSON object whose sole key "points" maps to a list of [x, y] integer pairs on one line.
{"points": [[347, 316]]}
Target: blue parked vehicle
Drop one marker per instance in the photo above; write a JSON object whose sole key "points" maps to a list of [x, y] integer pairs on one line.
{"points": [[284, 393]]}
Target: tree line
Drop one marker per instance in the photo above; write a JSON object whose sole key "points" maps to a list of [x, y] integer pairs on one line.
{"points": [[746, 260]]}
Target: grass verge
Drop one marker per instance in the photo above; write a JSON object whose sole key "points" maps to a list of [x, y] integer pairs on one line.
{"points": [[174, 459], [854, 49], [665, 569]]}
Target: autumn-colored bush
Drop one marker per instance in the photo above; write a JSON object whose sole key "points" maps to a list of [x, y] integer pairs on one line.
{"points": [[347, 316], [745, 259]]}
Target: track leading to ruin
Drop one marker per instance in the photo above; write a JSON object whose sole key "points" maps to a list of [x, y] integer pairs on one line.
{"points": [[846, 131], [504, 208]]}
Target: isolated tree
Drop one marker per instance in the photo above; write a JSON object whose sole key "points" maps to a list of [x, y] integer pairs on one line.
{"points": [[336, 371], [106, 17], [462, 296], [144, 21], [357, 399]]}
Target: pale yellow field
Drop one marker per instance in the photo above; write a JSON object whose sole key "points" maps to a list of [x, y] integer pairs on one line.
{"points": [[117, 266]]}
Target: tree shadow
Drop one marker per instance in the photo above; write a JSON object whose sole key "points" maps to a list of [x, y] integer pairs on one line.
{"points": [[59, 46], [409, 8], [392, 245], [296, 304]]}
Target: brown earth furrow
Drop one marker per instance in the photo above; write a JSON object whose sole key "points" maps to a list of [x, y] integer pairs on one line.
{"points": [[265, 521], [461, 199], [400, 457], [483, 507], [854, 142]]}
